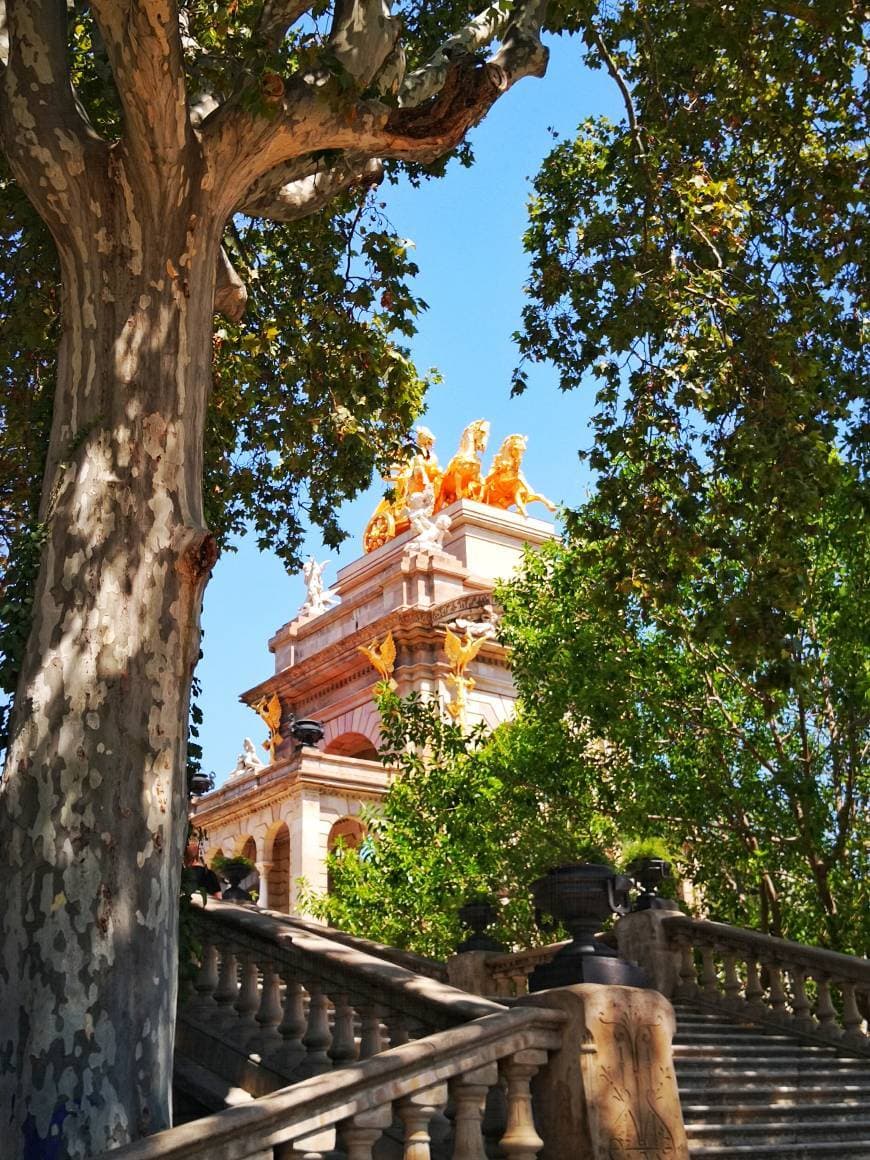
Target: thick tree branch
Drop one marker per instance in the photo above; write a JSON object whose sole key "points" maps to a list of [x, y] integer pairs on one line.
{"points": [[436, 110], [363, 36], [143, 44], [44, 134], [277, 17], [230, 292], [306, 195]]}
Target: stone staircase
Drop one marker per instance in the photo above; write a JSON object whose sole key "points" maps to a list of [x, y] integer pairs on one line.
{"points": [[747, 1090]]}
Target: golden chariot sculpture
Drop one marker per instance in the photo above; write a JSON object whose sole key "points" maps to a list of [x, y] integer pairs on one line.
{"points": [[420, 480]]}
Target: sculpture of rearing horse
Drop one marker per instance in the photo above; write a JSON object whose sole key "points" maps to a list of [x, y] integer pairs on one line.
{"points": [[462, 476]]}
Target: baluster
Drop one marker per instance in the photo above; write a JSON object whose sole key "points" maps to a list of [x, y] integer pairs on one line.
{"points": [[397, 1028], [852, 1020], [248, 999], [502, 986], [777, 991], [688, 984], [415, 1112], [754, 990], [361, 1132], [709, 978], [732, 981], [343, 1047], [521, 1141], [468, 1093], [227, 989], [800, 1004], [826, 1012], [370, 1037], [520, 983], [205, 984], [317, 1037], [291, 1027], [495, 1119], [266, 1038]]}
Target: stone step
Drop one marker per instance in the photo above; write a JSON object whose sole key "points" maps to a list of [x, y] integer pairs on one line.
{"points": [[764, 1068], [761, 1112], [776, 1096], [754, 1049], [813, 1150], [781, 1131], [731, 1035]]}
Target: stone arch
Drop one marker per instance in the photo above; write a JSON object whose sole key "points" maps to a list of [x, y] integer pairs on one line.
{"points": [[353, 744], [363, 720], [350, 832], [246, 845], [276, 854]]}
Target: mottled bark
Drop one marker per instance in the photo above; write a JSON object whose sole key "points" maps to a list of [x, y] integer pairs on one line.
{"points": [[92, 801]]}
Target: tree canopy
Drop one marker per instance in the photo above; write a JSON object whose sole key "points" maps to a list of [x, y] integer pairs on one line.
{"points": [[175, 157]]}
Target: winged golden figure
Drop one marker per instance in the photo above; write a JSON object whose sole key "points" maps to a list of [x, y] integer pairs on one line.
{"points": [[269, 710], [382, 657], [461, 655]]}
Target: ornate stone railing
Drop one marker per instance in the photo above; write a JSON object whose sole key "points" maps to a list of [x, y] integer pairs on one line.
{"points": [[815, 993], [411, 1084], [509, 972], [372, 1049]]}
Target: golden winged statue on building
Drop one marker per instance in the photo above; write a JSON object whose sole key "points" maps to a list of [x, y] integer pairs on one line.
{"points": [[382, 657]]}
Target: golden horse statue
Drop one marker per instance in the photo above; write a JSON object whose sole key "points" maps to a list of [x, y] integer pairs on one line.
{"points": [[505, 485], [390, 518], [462, 476]]}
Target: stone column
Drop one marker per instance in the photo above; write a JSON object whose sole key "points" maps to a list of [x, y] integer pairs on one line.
{"points": [[611, 1089], [263, 869], [307, 844]]}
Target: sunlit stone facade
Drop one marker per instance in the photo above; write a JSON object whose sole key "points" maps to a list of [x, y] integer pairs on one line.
{"points": [[287, 814]]}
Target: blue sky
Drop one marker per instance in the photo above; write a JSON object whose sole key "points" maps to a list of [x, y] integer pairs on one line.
{"points": [[467, 229]]}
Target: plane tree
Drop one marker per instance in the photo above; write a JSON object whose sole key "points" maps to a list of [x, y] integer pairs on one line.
{"points": [[147, 138]]}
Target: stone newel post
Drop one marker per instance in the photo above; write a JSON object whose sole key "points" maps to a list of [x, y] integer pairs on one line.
{"points": [[610, 1092], [641, 939]]}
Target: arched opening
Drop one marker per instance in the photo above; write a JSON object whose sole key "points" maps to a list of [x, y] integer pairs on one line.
{"points": [[353, 745], [348, 833], [247, 847], [278, 875]]}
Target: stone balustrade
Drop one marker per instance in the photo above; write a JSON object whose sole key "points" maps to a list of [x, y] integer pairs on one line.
{"points": [[372, 1050], [815, 993], [411, 1085], [509, 972]]}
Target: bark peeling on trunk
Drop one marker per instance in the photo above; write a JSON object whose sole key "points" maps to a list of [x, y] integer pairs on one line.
{"points": [[92, 801]]}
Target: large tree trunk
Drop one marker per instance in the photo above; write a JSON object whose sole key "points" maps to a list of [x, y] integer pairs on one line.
{"points": [[93, 799]]}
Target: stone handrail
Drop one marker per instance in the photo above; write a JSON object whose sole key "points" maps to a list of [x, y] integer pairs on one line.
{"points": [[814, 993], [361, 1100], [419, 964], [509, 971]]}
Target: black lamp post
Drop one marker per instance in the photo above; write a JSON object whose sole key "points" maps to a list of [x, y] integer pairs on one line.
{"points": [[581, 896]]}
